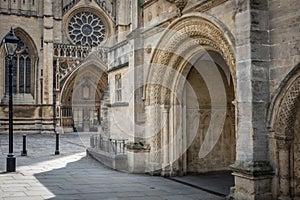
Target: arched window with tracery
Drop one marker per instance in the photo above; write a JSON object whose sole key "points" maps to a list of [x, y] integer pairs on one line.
{"points": [[24, 68], [21, 71]]}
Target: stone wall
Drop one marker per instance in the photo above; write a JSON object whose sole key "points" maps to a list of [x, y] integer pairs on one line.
{"points": [[120, 125], [284, 39]]}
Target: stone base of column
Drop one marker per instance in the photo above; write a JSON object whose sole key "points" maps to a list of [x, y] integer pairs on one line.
{"points": [[284, 198], [166, 171], [253, 180], [173, 172], [155, 169]]}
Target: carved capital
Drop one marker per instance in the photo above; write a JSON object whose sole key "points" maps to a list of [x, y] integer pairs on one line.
{"points": [[180, 4], [283, 142]]}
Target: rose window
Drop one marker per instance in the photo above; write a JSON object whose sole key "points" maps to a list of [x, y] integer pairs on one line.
{"points": [[86, 28]]}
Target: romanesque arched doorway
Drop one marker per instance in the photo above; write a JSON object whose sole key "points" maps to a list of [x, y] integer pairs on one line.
{"points": [[209, 114], [189, 96], [285, 138]]}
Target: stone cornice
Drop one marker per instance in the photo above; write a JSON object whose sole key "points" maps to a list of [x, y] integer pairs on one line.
{"points": [[203, 5]]}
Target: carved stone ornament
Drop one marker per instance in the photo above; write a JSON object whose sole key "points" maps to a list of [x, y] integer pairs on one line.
{"points": [[197, 34], [180, 4], [286, 116]]}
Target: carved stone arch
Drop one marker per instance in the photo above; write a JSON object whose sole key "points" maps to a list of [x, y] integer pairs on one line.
{"points": [[282, 117], [95, 66], [182, 44], [190, 34], [288, 110], [280, 98], [90, 75], [100, 87]]}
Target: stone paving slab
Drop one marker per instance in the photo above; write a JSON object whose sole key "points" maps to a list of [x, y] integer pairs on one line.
{"points": [[73, 175], [217, 182]]}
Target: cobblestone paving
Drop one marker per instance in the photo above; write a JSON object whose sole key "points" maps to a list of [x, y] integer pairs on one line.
{"points": [[72, 175]]}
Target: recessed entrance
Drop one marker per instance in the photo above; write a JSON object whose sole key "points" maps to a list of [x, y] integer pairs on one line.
{"points": [[81, 99]]}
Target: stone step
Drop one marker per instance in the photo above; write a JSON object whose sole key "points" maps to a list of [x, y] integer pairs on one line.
{"points": [[27, 126]]}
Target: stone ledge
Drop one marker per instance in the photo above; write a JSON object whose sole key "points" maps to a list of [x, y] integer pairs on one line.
{"points": [[118, 104], [120, 66], [138, 147], [114, 161], [252, 168]]}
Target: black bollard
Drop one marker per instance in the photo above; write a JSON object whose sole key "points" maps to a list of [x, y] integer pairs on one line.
{"points": [[57, 144], [24, 151]]}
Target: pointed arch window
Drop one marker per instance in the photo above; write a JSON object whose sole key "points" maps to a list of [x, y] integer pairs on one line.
{"points": [[22, 63]]}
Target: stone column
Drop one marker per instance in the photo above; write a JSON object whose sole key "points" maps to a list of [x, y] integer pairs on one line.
{"points": [[153, 132], [283, 147], [48, 52], [165, 140], [48, 71], [252, 169]]}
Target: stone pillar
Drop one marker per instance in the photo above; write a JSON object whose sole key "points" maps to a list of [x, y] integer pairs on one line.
{"points": [[48, 52], [155, 152], [252, 169], [48, 71], [283, 147], [165, 140]]}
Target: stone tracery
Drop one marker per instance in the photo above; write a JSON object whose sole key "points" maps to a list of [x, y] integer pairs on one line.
{"points": [[285, 139], [288, 110], [86, 28]]}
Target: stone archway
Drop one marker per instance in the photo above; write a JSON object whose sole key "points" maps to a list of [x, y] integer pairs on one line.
{"points": [[222, 154], [285, 140], [80, 97], [187, 40]]}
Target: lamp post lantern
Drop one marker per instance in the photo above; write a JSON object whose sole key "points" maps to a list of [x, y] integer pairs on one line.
{"points": [[11, 44]]}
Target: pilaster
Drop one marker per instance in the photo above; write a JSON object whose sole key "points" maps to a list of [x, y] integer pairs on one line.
{"points": [[252, 169], [48, 52], [47, 101]]}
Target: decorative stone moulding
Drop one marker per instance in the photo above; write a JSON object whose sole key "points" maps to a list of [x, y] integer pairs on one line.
{"points": [[180, 4]]}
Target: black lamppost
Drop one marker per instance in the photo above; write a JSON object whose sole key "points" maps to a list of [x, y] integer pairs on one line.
{"points": [[11, 44], [54, 113]]}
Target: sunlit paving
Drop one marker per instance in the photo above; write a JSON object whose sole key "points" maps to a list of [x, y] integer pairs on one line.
{"points": [[73, 175]]}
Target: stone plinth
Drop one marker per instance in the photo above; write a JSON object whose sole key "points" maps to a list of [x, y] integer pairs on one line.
{"points": [[138, 156]]}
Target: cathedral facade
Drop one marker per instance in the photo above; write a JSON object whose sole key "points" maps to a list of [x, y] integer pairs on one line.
{"points": [[192, 86]]}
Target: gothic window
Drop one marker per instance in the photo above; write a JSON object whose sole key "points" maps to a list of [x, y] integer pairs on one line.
{"points": [[21, 63], [118, 87], [86, 28]]}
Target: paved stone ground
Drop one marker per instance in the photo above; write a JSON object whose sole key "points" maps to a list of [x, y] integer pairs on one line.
{"points": [[72, 175], [217, 182]]}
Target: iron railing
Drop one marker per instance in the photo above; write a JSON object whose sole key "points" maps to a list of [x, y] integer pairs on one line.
{"points": [[108, 145]]}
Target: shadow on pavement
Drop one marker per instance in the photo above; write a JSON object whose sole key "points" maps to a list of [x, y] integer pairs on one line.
{"points": [[218, 183], [88, 179], [78, 180]]}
